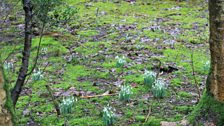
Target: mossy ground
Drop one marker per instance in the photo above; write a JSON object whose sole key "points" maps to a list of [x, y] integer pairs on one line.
{"points": [[208, 110], [82, 62]]}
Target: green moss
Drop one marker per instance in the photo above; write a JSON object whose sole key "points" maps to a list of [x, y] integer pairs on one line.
{"points": [[53, 46], [208, 108], [92, 47], [23, 120], [115, 19], [194, 41], [182, 57], [72, 72], [129, 113], [44, 108], [134, 78], [40, 84], [88, 33], [36, 98], [150, 34], [184, 94], [22, 101], [178, 117], [86, 121], [153, 121], [113, 35], [184, 109], [50, 120], [109, 64], [9, 104], [102, 75], [176, 82], [140, 67], [88, 86], [140, 118], [7, 49]]}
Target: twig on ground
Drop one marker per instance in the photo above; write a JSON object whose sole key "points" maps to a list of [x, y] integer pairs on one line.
{"points": [[149, 111], [101, 95]]}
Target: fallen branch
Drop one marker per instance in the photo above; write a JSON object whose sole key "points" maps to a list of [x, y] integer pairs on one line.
{"points": [[99, 95], [149, 113]]}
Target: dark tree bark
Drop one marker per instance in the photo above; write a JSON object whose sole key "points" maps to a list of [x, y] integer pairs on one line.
{"points": [[215, 83], [27, 6]]}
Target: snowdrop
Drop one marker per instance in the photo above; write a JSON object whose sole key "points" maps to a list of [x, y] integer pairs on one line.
{"points": [[37, 75], [149, 78], [108, 115], [125, 92], [159, 89], [9, 66], [120, 61], [44, 51], [67, 104], [139, 47], [206, 66]]}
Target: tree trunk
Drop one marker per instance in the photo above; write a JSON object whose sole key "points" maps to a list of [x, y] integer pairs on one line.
{"points": [[5, 115], [215, 85], [209, 111], [27, 6]]}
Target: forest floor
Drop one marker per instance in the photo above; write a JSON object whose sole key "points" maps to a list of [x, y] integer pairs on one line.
{"points": [[79, 60]]}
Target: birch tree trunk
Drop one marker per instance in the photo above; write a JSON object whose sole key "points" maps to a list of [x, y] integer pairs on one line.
{"points": [[215, 83]]}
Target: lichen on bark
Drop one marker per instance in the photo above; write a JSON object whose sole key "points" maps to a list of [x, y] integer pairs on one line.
{"points": [[216, 42], [6, 109], [210, 107]]}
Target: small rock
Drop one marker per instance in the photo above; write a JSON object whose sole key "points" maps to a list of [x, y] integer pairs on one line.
{"points": [[209, 124], [26, 112], [184, 122], [164, 123]]}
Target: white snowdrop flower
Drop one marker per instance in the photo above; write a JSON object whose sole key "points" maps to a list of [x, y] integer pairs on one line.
{"points": [[44, 51], [66, 105], [120, 61], [139, 47], [37, 75], [108, 115], [149, 73], [8, 65], [207, 62], [159, 88], [125, 92], [149, 78]]}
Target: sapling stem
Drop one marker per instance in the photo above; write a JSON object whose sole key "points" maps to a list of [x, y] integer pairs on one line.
{"points": [[193, 73]]}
